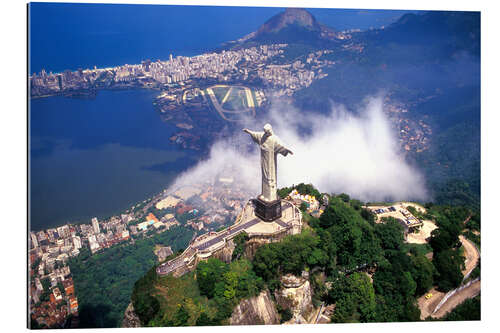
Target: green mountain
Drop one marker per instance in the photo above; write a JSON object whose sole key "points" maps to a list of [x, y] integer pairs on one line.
{"points": [[344, 258], [294, 25], [430, 63]]}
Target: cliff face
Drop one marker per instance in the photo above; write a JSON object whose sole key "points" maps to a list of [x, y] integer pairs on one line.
{"points": [[256, 310], [226, 253], [251, 247], [296, 295], [130, 318], [255, 242]]}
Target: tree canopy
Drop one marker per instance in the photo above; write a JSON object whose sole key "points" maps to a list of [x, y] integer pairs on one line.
{"points": [[342, 246], [354, 298]]}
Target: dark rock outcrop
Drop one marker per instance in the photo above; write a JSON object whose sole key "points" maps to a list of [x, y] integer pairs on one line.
{"points": [[292, 25], [259, 310], [130, 318], [296, 295]]}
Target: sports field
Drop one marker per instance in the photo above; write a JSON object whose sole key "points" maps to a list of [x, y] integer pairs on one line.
{"points": [[232, 102]]}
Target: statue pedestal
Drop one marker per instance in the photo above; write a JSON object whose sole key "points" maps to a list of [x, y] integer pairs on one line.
{"points": [[267, 211]]}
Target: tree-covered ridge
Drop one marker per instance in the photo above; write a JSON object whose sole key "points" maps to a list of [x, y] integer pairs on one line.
{"points": [[354, 297], [365, 268], [204, 297], [429, 63], [447, 257], [104, 281], [302, 189]]}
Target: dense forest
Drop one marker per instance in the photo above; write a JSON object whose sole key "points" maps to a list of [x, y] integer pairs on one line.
{"points": [[364, 268], [104, 281]]}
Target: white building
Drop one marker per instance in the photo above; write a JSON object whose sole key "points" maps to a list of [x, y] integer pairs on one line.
{"points": [[63, 231], [125, 234], [93, 244], [95, 225], [77, 242], [34, 240], [38, 284]]}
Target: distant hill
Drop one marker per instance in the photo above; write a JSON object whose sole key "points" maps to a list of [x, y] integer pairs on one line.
{"points": [[294, 25], [430, 62], [449, 32]]}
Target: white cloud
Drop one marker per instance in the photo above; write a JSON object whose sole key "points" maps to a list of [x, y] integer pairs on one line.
{"points": [[339, 152]]}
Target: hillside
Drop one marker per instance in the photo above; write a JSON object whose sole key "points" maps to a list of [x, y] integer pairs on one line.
{"points": [[344, 258], [429, 66]]}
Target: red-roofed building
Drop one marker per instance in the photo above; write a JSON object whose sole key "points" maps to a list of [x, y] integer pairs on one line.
{"points": [[183, 208], [151, 216], [205, 219], [73, 305], [57, 294], [69, 288], [32, 257]]}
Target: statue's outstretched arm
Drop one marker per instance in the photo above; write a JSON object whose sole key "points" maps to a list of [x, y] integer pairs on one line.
{"points": [[254, 135]]}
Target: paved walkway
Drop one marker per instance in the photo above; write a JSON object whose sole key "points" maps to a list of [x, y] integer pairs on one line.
{"points": [[203, 245], [471, 255], [427, 306], [471, 291], [231, 231]]}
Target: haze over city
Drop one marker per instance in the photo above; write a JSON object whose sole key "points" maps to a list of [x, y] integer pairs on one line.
{"points": [[340, 152]]}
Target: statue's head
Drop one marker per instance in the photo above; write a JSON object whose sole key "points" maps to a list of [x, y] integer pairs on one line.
{"points": [[268, 129]]}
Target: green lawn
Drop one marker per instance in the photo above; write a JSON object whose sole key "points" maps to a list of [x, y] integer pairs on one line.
{"points": [[220, 92], [236, 100]]}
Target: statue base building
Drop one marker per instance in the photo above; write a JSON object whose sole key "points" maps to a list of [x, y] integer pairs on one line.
{"points": [[267, 211], [221, 244]]}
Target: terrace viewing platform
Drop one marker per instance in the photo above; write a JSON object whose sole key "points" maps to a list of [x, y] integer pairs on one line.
{"points": [[206, 245]]}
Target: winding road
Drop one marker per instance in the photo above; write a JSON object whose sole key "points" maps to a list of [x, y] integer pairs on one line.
{"points": [[428, 306]]}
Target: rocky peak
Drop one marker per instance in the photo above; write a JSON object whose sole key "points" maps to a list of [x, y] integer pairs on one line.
{"points": [[295, 294], [292, 25], [130, 318], [292, 281], [291, 16]]}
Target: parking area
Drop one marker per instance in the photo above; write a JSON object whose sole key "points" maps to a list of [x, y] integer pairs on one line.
{"points": [[399, 212]]}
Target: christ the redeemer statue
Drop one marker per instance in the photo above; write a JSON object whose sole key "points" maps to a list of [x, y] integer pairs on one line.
{"points": [[270, 147]]}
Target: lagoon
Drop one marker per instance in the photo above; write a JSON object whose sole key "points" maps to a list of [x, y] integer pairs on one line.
{"points": [[98, 157]]}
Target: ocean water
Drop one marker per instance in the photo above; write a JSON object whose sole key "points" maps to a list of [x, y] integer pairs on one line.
{"points": [[71, 36], [97, 157], [78, 35]]}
